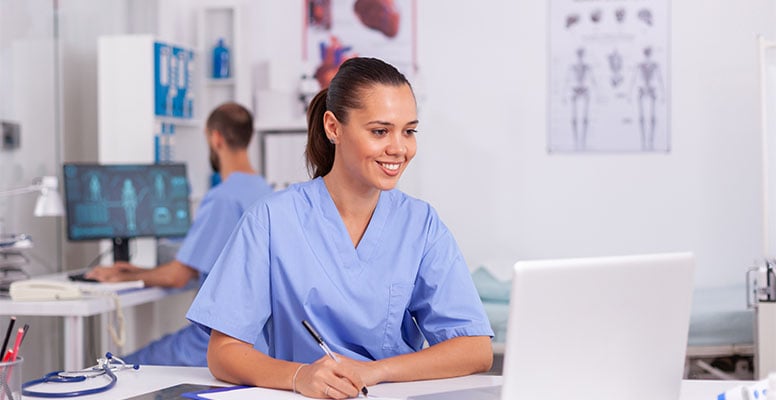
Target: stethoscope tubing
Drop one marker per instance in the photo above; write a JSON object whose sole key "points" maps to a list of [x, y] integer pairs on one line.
{"points": [[57, 377], [54, 377]]}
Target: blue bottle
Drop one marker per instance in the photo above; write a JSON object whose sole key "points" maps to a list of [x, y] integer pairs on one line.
{"points": [[221, 60]]}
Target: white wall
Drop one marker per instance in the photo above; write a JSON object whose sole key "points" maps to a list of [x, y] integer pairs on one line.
{"points": [[485, 138], [482, 158]]}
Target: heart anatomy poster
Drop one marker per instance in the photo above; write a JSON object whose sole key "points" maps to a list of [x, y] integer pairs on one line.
{"points": [[336, 30]]}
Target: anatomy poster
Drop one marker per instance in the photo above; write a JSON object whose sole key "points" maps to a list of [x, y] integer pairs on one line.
{"points": [[336, 30], [609, 76]]}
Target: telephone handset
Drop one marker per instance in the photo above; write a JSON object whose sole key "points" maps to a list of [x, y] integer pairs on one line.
{"points": [[44, 290]]}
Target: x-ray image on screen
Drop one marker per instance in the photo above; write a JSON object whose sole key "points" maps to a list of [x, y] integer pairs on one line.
{"points": [[126, 201]]}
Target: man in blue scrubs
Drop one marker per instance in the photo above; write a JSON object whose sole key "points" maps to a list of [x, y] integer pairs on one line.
{"points": [[229, 129]]}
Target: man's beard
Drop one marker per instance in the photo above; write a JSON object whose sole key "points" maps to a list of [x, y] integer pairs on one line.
{"points": [[215, 163]]}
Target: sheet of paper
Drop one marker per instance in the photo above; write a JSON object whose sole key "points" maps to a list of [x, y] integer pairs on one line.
{"points": [[252, 393], [265, 394], [108, 286]]}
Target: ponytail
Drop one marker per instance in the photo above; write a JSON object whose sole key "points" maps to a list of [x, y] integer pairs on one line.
{"points": [[319, 151]]}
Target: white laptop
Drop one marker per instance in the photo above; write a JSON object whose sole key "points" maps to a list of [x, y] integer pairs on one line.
{"points": [[595, 328]]}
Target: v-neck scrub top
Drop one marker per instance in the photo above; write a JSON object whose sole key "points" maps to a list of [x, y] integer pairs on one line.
{"points": [[291, 259]]}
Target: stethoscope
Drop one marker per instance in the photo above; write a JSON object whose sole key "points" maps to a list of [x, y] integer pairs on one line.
{"points": [[107, 365]]}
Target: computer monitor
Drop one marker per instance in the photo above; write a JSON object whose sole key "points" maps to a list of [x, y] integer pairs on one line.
{"points": [[124, 201]]}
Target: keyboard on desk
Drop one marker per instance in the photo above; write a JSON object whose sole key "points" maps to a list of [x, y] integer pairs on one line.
{"points": [[80, 277]]}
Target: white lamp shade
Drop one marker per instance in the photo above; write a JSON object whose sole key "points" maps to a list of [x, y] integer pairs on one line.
{"points": [[49, 203]]}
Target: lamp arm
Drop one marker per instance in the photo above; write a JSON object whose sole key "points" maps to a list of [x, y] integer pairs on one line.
{"points": [[14, 192]]}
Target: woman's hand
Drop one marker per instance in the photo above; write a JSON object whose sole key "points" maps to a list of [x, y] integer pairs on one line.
{"points": [[328, 379], [369, 371]]}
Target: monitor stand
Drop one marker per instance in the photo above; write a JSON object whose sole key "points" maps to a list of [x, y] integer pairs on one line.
{"points": [[120, 249]]}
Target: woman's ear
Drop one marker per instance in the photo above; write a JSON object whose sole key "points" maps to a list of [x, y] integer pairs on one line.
{"points": [[332, 127]]}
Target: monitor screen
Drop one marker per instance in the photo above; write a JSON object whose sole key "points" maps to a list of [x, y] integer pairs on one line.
{"points": [[126, 201]]}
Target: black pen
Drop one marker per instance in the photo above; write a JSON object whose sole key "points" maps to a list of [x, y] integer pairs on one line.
{"points": [[5, 371], [7, 337], [325, 347]]}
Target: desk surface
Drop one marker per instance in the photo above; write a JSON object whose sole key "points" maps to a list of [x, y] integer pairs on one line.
{"points": [[86, 306], [150, 378], [89, 305]]}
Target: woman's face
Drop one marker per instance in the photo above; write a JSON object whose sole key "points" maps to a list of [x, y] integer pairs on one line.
{"points": [[378, 141]]}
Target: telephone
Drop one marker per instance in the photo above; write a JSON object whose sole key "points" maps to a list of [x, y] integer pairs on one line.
{"points": [[44, 290]]}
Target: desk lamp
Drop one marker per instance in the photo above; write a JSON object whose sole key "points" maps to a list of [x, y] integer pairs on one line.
{"points": [[48, 204]]}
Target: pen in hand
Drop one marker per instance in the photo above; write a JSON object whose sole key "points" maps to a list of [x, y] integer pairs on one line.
{"points": [[325, 347]]}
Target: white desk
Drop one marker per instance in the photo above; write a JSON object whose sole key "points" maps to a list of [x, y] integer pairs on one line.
{"points": [[74, 312], [150, 378]]}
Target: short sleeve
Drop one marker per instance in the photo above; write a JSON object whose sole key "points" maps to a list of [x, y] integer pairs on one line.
{"points": [[235, 298], [215, 220], [445, 302]]}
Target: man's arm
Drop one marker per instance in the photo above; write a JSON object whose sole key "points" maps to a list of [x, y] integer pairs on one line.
{"points": [[173, 274]]}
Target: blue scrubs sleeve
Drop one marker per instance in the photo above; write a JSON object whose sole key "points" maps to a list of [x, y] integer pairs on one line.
{"points": [[445, 302], [206, 238], [235, 298]]}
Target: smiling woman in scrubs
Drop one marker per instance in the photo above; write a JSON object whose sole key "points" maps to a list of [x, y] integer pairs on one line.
{"points": [[375, 271]]}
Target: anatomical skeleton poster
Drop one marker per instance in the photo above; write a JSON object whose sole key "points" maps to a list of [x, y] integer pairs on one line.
{"points": [[608, 76]]}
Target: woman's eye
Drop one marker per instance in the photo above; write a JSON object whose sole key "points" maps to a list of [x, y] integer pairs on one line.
{"points": [[411, 131], [380, 132]]}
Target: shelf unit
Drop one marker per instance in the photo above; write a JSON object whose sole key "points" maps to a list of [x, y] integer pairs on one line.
{"points": [[220, 20], [227, 82], [223, 21]]}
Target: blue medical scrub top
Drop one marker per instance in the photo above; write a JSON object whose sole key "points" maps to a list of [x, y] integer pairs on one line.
{"points": [[291, 258], [217, 215]]}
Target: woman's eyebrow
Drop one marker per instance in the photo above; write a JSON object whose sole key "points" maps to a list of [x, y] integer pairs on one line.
{"points": [[378, 122], [386, 123]]}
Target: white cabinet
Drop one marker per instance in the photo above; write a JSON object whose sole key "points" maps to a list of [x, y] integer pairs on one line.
{"points": [[135, 99]]}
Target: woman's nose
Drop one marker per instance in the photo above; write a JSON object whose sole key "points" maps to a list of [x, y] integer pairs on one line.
{"points": [[397, 145]]}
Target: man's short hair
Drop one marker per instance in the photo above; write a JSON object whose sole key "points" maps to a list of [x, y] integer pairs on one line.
{"points": [[234, 122]]}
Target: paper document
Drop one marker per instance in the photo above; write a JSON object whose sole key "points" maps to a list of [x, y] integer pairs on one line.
{"points": [[89, 287], [251, 393], [264, 394]]}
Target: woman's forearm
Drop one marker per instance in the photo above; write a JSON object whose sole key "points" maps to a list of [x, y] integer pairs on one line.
{"points": [[458, 356], [238, 362]]}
